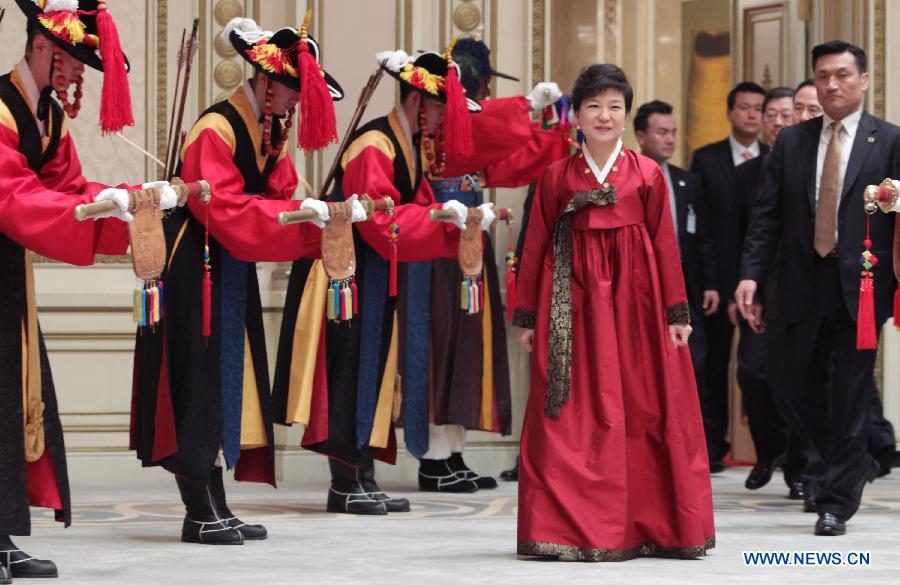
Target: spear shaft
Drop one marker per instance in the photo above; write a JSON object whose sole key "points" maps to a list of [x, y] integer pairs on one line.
{"points": [[175, 98], [364, 97], [189, 57]]}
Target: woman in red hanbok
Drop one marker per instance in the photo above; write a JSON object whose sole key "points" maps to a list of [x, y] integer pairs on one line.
{"points": [[613, 462]]}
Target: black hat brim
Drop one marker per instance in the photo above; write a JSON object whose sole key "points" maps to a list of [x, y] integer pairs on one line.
{"points": [[495, 73], [87, 55], [437, 65], [285, 38]]}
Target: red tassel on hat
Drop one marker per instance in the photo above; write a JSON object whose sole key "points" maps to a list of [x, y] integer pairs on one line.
{"points": [[318, 124], [115, 106], [457, 124]]}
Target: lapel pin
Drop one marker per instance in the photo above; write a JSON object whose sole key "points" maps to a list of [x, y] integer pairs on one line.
{"points": [[871, 140], [681, 183]]}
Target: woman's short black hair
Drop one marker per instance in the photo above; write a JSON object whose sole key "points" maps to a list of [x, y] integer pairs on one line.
{"points": [[598, 78]]}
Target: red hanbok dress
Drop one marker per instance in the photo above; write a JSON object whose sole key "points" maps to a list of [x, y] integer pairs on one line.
{"points": [[613, 458]]}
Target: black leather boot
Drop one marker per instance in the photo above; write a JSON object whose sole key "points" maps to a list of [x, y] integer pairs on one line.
{"points": [[436, 475], [17, 564], [202, 523], [511, 474], [250, 531], [367, 478], [462, 470], [347, 494]]}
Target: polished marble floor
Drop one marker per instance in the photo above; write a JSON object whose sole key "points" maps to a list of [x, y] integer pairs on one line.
{"points": [[130, 535]]}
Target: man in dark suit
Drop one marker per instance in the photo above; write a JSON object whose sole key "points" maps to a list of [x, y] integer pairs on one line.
{"points": [[811, 199], [715, 164], [770, 438], [655, 129]]}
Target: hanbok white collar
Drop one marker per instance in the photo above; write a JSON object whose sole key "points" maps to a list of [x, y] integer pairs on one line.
{"points": [[601, 174]]}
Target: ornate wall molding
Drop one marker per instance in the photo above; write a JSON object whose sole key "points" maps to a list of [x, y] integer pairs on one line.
{"points": [[538, 31]]}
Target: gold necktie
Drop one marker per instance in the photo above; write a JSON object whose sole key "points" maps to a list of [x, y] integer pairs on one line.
{"points": [[826, 207]]}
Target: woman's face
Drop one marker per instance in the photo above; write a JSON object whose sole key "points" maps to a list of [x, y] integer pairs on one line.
{"points": [[602, 117]]}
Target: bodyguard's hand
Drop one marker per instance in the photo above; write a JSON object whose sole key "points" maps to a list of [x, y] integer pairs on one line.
{"points": [[357, 211], [679, 333], [488, 216], [743, 296], [732, 313], [459, 210], [168, 198], [120, 196], [526, 338], [321, 210], [543, 94], [710, 302]]}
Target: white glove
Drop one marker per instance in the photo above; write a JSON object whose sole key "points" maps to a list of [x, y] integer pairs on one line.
{"points": [[543, 94], [168, 198], [488, 217], [357, 212], [393, 60], [321, 209], [120, 196], [461, 211]]}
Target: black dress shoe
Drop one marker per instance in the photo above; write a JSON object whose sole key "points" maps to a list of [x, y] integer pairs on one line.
{"points": [[436, 475], [829, 524], [761, 473], [796, 491], [717, 466], [462, 470], [511, 474], [18, 564], [809, 503], [5, 579]]}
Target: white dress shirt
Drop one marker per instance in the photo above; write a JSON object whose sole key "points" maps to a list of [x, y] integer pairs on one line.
{"points": [[738, 149], [672, 205], [850, 124], [251, 97], [404, 121], [31, 90]]}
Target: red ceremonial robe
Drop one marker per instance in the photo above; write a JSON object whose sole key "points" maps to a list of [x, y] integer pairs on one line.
{"points": [[619, 469], [36, 213], [182, 411]]}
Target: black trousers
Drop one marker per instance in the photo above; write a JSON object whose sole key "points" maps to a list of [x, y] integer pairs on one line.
{"points": [[881, 432], [698, 346], [766, 425], [714, 392], [831, 412], [762, 404]]}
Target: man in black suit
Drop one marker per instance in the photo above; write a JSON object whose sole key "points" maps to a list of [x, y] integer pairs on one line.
{"points": [[715, 164], [770, 438], [811, 199], [654, 128]]}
